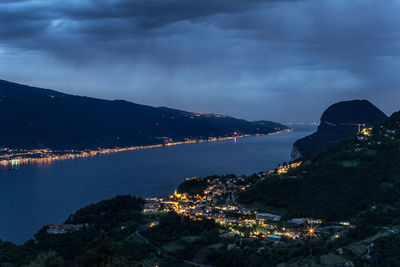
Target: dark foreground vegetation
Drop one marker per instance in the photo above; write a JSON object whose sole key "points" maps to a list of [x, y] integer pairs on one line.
{"points": [[356, 183], [112, 237], [338, 183], [104, 241]]}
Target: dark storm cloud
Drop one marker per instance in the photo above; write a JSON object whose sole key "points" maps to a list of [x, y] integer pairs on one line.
{"points": [[44, 24], [158, 13], [128, 17], [197, 54]]}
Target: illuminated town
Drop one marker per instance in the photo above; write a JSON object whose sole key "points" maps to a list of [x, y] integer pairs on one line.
{"points": [[217, 201], [12, 158]]}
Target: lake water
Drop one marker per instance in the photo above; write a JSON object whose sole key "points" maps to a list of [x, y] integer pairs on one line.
{"points": [[37, 195]]}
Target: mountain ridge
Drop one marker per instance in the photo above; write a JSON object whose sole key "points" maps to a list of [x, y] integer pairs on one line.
{"points": [[341, 181], [338, 121], [44, 118]]}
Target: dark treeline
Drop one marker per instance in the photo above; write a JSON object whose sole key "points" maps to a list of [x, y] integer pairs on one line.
{"points": [[102, 242]]}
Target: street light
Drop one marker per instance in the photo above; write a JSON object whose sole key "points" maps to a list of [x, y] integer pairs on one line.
{"points": [[311, 231]]}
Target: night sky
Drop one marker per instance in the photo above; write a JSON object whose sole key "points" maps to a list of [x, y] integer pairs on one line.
{"points": [[278, 60]]}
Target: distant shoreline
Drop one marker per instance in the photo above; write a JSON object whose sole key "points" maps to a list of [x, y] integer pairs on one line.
{"points": [[13, 158]]}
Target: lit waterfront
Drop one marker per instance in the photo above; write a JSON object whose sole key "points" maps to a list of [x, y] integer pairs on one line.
{"points": [[48, 194], [15, 157], [214, 198]]}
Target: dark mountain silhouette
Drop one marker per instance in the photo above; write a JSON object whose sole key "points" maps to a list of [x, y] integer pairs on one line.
{"points": [[41, 118], [338, 122], [342, 181]]}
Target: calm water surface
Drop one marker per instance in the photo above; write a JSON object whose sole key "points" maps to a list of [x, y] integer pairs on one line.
{"points": [[34, 196]]}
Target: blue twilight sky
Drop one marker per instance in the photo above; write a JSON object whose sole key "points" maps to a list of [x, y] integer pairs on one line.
{"points": [[282, 60]]}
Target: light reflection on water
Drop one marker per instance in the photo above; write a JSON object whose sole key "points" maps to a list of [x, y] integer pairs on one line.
{"points": [[34, 195]]}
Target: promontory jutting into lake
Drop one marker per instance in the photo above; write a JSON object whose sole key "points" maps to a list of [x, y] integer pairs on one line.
{"points": [[71, 184], [199, 133]]}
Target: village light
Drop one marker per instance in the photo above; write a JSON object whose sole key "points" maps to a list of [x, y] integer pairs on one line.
{"points": [[311, 231]]}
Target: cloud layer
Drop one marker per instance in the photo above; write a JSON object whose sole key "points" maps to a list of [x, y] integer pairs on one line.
{"points": [[281, 60]]}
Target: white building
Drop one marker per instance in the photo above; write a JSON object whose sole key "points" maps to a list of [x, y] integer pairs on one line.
{"points": [[268, 216]]}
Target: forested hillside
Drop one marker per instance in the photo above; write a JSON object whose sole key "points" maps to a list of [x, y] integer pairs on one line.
{"points": [[338, 183], [40, 118]]}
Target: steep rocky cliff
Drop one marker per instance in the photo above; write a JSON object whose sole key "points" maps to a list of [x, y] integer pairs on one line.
{"points": [[338, 122]]}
